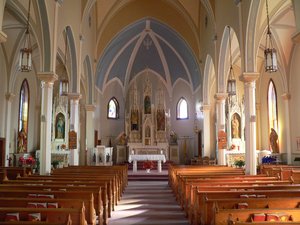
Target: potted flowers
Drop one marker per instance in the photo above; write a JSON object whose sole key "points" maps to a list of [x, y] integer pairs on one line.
{"points": [[148, 165], [239, 163]]}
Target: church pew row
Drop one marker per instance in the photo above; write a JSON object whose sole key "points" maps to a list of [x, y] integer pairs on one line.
{"points": [[90, 213], [201, 196], [232, 216], [97, 189], [70, 216], [186, 196], [104, 181], [14, 172], [282, 171], [11, 193], [210, 206]]}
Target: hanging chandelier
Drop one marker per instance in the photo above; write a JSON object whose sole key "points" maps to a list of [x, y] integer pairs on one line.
{"points": [[25, 58], [64, 82], [231, 83], [270, 52]]}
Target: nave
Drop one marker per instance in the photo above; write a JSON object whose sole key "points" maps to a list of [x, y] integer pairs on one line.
{"points": [[148, 202]]}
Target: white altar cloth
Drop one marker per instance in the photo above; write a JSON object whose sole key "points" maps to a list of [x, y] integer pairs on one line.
{"points": [[136, 158]]}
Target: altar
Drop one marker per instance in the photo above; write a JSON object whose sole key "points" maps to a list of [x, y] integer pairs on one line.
{"points": [[159, 158]]}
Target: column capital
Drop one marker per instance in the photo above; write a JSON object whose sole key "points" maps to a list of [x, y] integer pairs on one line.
{"points": [[3, 37], [248, 77], [296, 37], [74, 96], [205, 108], [9, 96], [90, 107], [47, 77], [286, 96], [221, 96]]}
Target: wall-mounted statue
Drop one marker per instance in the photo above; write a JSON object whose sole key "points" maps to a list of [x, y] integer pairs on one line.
{"points": [[274, 141], [235, 126]]}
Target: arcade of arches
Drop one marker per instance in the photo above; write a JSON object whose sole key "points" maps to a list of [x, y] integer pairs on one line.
{"points": [[144, 72]]}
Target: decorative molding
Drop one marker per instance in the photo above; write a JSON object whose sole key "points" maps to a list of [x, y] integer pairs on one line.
{"points": [[248, 77], [221, 96], [74, 96], [90, 108], [286, 96], [47, 77], [3, 37]]}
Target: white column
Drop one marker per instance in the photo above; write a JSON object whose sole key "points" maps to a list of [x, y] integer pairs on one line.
{"points": [[221, 97], [90, 130], [206, 130], [134, 166], [3, 36], [9, 99], [74, 125], [250, 121], [286, 97], [47, 81], [159, 166]]}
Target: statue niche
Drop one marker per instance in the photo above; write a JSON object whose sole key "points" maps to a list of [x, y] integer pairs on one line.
{"points": [[235, 126], [134, 119], [60, 126], [161, 120], [147, 105]]}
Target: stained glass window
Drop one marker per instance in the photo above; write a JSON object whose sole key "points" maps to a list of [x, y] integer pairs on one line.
{"points": [[23, 115], [113, 109], [272, 107]]}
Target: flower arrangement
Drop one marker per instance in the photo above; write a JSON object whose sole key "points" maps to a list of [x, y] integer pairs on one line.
{"points": [[239, 163], [63, 146], [29, 161], [232, 146], [148, 164]]}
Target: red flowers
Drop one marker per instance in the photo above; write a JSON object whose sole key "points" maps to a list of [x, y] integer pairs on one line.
{"points": [[26, 161], [148, 164]]}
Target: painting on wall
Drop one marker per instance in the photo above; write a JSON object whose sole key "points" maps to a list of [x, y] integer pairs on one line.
{"points": [[60, 126]]}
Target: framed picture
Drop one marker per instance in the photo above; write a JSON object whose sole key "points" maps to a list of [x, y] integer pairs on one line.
{"points": [[298, 143]]}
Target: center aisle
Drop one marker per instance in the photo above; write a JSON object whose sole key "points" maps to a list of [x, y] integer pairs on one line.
{"points": [[148, 202]]}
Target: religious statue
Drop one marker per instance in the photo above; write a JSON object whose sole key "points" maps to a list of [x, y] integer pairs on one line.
{"points": [[134, 119], [273, 141], [235, 126], [22, 138], [160, 119], [147, 105], [60, 126], [123, 139]]}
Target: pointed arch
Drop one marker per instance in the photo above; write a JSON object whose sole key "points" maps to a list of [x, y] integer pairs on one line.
{"points": [[23, 116], [272, 106], [209, 79], [88, 66], [113, 109], [182, 112]]}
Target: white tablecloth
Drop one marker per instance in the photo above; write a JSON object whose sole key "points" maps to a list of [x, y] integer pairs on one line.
{"points": [[147, 157]]}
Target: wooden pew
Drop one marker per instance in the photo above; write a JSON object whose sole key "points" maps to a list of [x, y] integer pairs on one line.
{"points": [[231, 216], [60, 215], [14, 172], [212, 205], [62, 203], [4, 193]]}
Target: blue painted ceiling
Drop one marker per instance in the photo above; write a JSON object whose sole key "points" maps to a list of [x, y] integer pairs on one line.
{"points": [[148, 44]]}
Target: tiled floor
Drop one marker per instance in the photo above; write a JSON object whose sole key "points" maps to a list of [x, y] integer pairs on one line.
{"points": [[148, 202]]}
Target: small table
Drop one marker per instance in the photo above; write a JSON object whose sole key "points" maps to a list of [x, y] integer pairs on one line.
{"points": [[157, 158]]}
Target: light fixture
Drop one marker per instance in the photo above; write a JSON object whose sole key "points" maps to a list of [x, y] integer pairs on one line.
{"points": [[270, 52], [64, 82], [25, 59], [231, 83]]}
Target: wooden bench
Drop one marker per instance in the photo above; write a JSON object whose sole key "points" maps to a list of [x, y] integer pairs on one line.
{"points": [[60, 215]]}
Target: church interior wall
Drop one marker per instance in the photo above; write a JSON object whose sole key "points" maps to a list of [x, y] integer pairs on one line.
{"points": [[264, 124], [295, 99], [82, 124], [111, 128]]}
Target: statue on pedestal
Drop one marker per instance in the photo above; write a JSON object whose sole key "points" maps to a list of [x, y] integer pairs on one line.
{"points": [[273, 141], [22, 138]]}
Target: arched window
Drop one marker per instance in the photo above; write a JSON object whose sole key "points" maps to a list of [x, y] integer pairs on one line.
{"points": [[182, 109], [272, 107], [23, 116], [113, 109]]}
